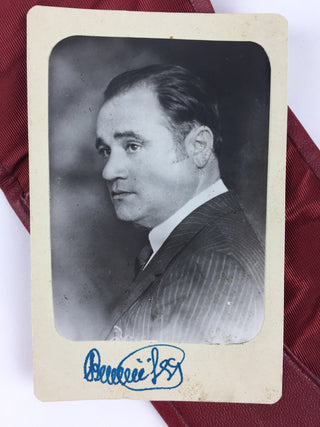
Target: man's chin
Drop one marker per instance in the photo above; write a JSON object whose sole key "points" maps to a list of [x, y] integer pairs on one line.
{"points": [[126, 215], [134, 218]]}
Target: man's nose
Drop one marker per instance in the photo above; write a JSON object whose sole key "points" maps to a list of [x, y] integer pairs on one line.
{"points": [[115, 168]]}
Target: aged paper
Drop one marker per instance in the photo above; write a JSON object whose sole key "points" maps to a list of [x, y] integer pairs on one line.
{"points": [[98, 331]]}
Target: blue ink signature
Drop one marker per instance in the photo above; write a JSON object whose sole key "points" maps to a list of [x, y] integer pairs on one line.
{"points": [[148, 368]]}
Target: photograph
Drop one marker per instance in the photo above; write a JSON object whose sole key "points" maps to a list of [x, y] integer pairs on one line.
{"points": [[158, 160]]}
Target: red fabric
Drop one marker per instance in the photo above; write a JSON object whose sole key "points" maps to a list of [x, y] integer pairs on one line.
{"points": [[299, 406], [14, 180], [302, 254]]}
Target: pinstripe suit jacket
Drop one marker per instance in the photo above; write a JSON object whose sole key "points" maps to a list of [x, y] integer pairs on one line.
{"points": [[204, 285]]}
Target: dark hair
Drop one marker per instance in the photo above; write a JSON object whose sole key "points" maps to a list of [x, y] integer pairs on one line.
{"points": [[181, 94]]}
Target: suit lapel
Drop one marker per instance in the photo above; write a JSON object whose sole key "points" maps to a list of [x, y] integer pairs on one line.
{"points": [[178, 240], [188, 229]]}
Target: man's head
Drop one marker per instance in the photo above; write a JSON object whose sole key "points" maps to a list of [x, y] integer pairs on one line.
{"points": [[157, 131]]}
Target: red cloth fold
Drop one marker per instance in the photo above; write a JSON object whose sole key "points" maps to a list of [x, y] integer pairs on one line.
{"points": [[299, 405], [302, 251]]}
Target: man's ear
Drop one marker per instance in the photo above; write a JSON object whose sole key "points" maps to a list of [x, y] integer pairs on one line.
{"points": [[199, 144]]}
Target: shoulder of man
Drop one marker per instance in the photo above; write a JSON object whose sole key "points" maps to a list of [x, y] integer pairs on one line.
{"points": [[214, 291], [225, 231]]}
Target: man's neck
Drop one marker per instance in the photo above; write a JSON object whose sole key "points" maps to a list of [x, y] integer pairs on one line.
{"points": [[159, 234]]}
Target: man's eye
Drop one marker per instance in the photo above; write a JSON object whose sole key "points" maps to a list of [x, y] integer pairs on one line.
{"points": [[105, 152], [133, 147]]}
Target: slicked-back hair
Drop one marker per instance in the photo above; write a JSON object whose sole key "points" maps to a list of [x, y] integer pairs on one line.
{"points": [[182, 96]]}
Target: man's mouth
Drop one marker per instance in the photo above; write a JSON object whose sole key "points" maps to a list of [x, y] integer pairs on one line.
{"points": [[119, 194]]}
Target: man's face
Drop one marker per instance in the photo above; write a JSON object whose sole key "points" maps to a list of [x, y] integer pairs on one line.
{"points": [[146, 180]]}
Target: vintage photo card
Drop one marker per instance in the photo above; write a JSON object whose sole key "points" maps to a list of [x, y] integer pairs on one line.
{"points": [[157, 176]]}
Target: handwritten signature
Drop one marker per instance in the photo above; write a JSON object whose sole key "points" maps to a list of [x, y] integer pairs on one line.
{"points": [[149, 368]]}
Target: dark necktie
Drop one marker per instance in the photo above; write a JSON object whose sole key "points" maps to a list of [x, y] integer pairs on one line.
{"points": [[142, 258]]}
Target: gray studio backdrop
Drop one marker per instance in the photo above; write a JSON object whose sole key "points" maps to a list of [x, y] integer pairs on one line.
{"points": [[92, 252]]}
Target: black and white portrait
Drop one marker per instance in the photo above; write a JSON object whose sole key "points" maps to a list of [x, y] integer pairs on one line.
{"points": [[158, 183]]}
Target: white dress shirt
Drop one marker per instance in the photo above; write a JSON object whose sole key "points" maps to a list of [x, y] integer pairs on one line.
{"points": [[159, 234]]}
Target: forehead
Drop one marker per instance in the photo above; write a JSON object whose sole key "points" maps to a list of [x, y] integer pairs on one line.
{"points": [[132, 108]]}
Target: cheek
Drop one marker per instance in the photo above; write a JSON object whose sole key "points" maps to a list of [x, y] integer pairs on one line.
{"points": [[163, 168], [159, 173]]}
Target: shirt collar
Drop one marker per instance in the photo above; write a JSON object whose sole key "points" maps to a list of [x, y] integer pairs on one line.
{"points": [[161, 232]]}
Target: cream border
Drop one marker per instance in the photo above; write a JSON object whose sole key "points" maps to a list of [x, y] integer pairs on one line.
{"points": [[250, 372]]}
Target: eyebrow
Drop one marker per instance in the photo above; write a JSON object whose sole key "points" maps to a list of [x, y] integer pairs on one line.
{"points": [[119, 135], [127, 134]]}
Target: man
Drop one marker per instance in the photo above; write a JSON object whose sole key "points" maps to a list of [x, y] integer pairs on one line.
{"points": [[201, 277]]}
